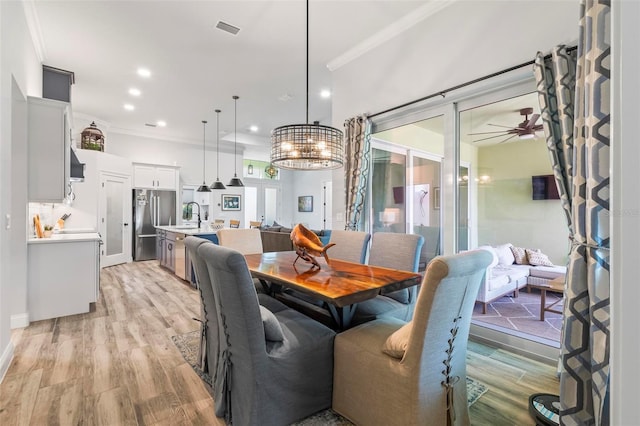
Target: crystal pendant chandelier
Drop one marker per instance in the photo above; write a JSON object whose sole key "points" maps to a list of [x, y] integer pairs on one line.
{"points": [[306, 146], [218, 184], [235, 181], [203, 187]]}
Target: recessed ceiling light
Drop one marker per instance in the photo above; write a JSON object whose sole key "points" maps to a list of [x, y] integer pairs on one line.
{"points": [[134, 92], [143, 72], [325, 93], [129, 107], [161, 123], [253, 128]]}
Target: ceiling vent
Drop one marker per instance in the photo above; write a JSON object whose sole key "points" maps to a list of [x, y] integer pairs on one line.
{"points": [[227, 27], [149, 125]]}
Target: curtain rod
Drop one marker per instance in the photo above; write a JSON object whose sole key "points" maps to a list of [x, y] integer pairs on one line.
{"points": [[459, 86]]}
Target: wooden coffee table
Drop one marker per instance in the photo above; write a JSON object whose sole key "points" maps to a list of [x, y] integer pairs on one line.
{"points": [[556, 285]]}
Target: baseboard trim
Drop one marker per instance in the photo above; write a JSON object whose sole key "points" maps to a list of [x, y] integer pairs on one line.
{"points": [[20, 320], [528, 348], [5, 360]]}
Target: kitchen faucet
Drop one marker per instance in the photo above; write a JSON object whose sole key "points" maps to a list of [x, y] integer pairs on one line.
{"points": [[193, 202]]}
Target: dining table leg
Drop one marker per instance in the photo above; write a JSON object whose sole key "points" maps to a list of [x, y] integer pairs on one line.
{"points": [[342, 315]]}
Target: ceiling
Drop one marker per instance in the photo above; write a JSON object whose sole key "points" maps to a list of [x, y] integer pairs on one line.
{"points": [[196, 68]]}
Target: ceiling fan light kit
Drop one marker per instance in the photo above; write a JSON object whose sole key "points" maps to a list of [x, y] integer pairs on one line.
{"points": [[306, 146], [525, 130]]}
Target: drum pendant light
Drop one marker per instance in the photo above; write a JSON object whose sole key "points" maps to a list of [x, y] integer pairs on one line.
{"points": [[218, 184], [235, 181], [203, 187], [306, 146]]}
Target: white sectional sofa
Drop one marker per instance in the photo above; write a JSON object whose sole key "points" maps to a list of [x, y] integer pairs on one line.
{"points": [[505, 276]]}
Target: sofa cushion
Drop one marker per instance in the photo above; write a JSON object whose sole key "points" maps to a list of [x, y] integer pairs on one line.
{"points": [[396, 344], [520, 255], [537, 258], [505, 255], [272, 328]]}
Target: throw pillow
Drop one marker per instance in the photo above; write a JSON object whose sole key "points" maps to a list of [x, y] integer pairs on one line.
{"points": [[505, 255], [272, 327], [396, 344], [537, 258], [520, 255]]}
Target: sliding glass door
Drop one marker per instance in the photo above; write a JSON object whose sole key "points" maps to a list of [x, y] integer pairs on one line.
{"points": [[406, 182]]}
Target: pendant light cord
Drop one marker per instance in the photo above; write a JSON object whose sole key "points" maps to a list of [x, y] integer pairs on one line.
{"points": [[235, 136], [204, 125], [217, 145], [307, 122]]}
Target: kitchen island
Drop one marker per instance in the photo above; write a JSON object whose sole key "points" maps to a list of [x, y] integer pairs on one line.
{"points": [[64, 274], [170, 250]]}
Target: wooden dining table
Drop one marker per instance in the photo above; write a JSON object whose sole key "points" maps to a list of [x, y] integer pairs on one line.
{"points": [[341, 285]]}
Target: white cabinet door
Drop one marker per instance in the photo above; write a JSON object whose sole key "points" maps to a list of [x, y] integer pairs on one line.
{"points": [[165, 178], [144, 176], [62, 278], [49, 144], [154, 177]]}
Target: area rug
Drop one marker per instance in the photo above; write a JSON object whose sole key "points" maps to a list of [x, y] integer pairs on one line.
{"points": [[188, 344]]}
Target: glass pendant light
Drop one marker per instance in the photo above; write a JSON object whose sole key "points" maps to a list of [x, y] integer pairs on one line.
{"points": [[235, 181], [203, 187], [217, 184]]}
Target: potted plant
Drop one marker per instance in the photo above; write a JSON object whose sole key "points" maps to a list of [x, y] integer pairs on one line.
{"points": [[48, 230]]}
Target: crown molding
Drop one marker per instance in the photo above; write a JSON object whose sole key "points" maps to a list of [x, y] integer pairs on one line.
{"points": [[33, 23], [389, 32]]}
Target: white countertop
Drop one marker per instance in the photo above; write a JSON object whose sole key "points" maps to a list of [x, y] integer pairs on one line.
{"points": [[65, 238], [205, 228]]}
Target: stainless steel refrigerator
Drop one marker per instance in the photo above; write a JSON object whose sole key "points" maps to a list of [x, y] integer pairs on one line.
{"points": [[151, 208]]}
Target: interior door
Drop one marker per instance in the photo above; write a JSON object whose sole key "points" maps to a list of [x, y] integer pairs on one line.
{"points": [[115, 219]]}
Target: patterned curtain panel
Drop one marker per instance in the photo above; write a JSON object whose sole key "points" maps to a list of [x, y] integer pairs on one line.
{"points": [[576, 123], [357, 159]]}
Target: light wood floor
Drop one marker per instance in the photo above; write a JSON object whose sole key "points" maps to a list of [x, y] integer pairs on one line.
{"points": [[118, 366]]}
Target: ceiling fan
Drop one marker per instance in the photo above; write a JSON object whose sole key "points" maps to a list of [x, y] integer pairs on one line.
{"points": [[525, 130]]}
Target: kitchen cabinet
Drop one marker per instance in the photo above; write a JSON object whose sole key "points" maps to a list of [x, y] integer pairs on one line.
{"points": [[64, 275], [151, 176], [49, 145], [161, 235], [168, 259]]}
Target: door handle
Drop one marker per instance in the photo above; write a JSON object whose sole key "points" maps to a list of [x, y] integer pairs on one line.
{"points": [[125, 224]]}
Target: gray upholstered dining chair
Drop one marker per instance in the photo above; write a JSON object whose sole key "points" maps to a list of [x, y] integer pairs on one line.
{"points": [[246, 241], [350, 246], [276, 365], [395, 251], [389, 371], [209, 320]]}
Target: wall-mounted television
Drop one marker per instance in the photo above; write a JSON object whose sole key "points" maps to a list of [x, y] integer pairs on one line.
{"points": [[544, 188]]}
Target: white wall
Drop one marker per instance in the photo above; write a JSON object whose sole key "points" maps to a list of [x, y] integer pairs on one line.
{"points": [[19, 62], [187, 155], [625, 208], [506, 211], [307, 183], [466, 40]]}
